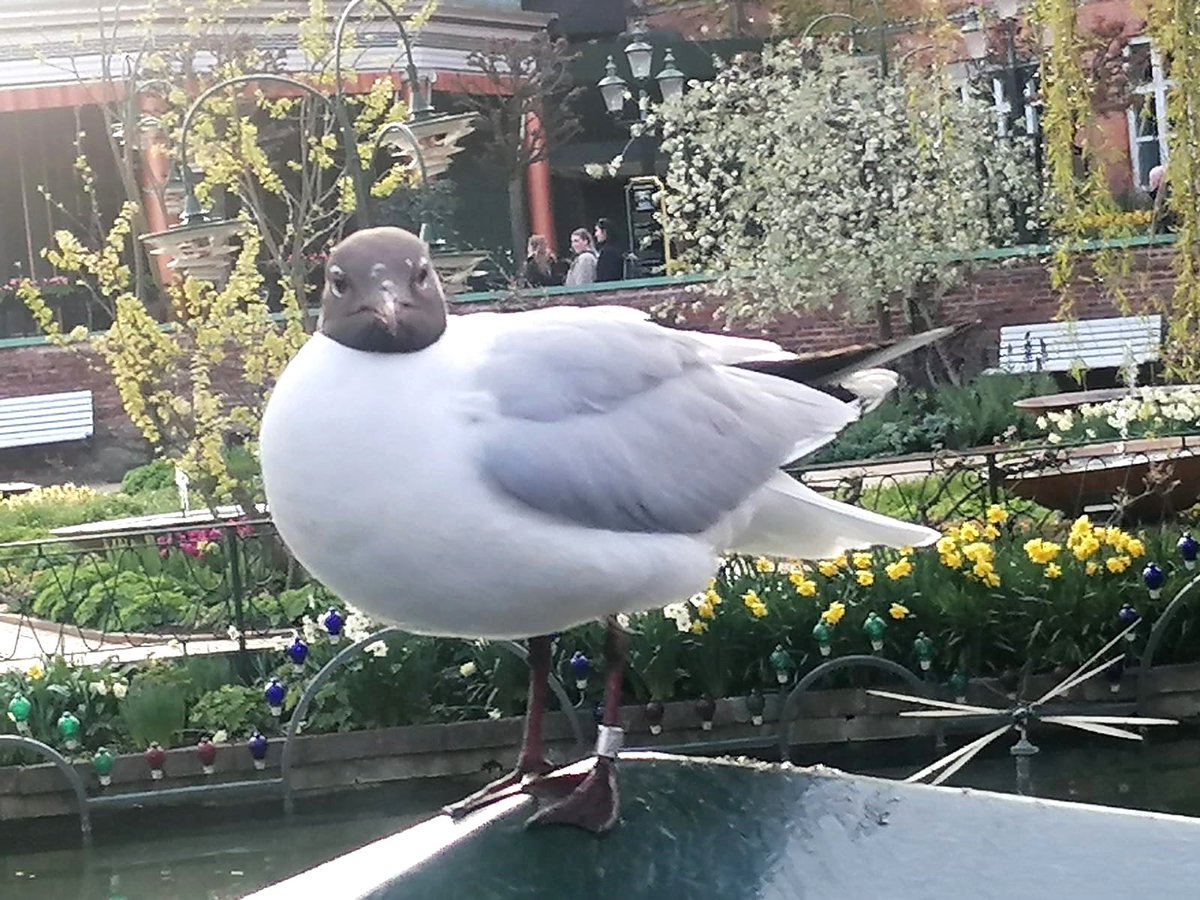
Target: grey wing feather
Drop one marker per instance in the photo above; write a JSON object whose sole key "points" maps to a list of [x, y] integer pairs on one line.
{"points": [[621, 425]]}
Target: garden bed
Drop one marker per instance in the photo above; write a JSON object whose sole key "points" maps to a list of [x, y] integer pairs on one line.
{"points": [[481, 749]]}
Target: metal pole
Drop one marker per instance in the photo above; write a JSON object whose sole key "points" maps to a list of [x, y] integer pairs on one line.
{"points": [[20, 741], [236, 589]]}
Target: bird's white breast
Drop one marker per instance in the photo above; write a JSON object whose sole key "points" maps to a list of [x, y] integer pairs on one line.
{"points": [[370, 467]]}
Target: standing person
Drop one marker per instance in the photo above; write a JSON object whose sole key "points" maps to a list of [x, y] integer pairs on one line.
{"points": [[583, 266], [610, 264], [538, 270]]}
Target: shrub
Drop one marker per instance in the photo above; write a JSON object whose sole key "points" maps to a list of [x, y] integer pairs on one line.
{"points": [[152, 476]]}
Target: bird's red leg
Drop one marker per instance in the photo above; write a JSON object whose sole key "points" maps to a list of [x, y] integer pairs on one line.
{"points": [[595, 803], [531, 761]]}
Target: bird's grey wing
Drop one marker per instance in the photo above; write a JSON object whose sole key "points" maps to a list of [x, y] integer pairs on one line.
{"points": [[621, 425]]}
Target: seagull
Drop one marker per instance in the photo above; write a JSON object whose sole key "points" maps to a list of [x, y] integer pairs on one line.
{"points": [[513, 475]]}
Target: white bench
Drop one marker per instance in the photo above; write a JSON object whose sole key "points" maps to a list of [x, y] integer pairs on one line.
{"points": [[1083, 344], [46, 419]]}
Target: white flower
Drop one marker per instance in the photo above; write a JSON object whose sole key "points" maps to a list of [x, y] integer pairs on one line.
{"points": [[99, 688], [378, 649], [220, 737], [679, 612], [493, 713], [467, 669], [233, 632], [623, 620], [120, 689]]}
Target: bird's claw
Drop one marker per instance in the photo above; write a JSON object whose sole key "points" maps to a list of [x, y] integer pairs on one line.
{"points": [[593, 805], [500, 789]]}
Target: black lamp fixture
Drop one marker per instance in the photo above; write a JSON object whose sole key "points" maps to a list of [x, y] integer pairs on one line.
{"points": [[199, 236], [639, 54]]}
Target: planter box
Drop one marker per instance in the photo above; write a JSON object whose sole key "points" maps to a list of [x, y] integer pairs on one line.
{"points": [[332, 762]]}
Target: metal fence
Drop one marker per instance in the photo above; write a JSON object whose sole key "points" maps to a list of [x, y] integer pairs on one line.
{"points": [[212, 588], [232, 586], [1130, 482]]}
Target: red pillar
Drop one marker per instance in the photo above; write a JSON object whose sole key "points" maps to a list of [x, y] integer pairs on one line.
{"points": [[537, 188], [155, 170]]}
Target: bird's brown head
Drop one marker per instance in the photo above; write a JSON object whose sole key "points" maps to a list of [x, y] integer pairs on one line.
{"points": [[382, 294]]}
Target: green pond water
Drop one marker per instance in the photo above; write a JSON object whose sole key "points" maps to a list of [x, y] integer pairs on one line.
{"points": [[223, 852]]}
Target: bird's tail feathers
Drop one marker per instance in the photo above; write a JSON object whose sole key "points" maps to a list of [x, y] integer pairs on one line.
{"points": [[789, 519], [870, 386]]}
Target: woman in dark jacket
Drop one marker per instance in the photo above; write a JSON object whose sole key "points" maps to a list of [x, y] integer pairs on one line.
{"points": [[611, 264], [539, 269]]}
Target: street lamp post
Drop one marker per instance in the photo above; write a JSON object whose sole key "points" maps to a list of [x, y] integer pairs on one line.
{"points": [[880, 31], [1015, 105], [639, 54], [198, 227]]}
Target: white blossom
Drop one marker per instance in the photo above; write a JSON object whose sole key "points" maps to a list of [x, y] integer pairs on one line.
{"points": [[827, 185]]}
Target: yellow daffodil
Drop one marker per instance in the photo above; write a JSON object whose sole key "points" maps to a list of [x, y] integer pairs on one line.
{"points": [[1134, 547], [35, 672], [827, 567], [1117, 564], [898, 611], [967, 532], [979, 552], [805, 587], [757, 608], [699, 627], [901, 568], [952, 560], [764, 565], [866, 579], [946, 545], [991, 532], [834, 613], [1053, 571], [1042, 551], [996, 514], [1092, 567], [862, 560]]}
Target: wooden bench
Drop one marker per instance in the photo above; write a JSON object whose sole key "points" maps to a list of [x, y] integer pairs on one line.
{"points": [[1083, 344], [46, 419]]}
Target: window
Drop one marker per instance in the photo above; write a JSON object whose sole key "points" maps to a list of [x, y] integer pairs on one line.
{"points": [[1147, 114]]}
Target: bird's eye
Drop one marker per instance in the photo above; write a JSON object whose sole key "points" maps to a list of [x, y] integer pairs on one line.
{"points": [[421, 279], [337, 280]]}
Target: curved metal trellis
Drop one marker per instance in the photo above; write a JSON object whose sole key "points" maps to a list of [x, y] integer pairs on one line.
{"points": [[348, 653], [1156, 636], [21, 742], [787, 713]]}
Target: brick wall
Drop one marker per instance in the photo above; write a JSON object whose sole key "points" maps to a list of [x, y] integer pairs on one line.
{"points": [[1014, 292]]}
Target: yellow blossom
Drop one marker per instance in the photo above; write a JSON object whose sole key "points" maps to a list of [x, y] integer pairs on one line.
{"points": [[979, 552], [757, 608], [898, 611], [991, 579], [968, 532], [699, 627], [862, 560], [1085, 547], [996, 514], [952, 560], [842, 562], [1134, 547], [833, 614], [1042, 551], [1053, 571], [805, 587], [1092, 567], [866, 579], [827, 567], [991, 532], [1117, 564], [901, 568], [35, 672], [946, 545], [764, 565]]}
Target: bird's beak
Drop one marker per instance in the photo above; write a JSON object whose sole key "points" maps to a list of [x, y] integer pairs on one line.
{"points": [[388, 311]]}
